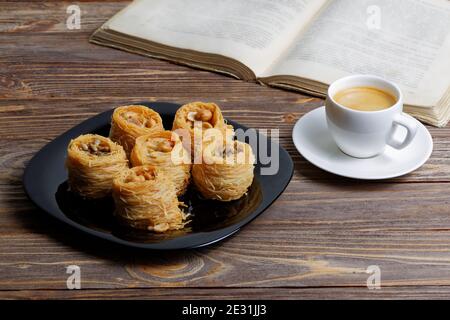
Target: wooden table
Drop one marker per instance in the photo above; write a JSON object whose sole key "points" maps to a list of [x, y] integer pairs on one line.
{"points": [[315, 241]]}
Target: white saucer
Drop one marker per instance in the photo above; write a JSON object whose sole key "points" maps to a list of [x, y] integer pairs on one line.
{"points": [[315, 144]]}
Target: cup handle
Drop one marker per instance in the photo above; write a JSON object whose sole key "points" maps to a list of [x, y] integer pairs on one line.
{"points": [[409, 124]]}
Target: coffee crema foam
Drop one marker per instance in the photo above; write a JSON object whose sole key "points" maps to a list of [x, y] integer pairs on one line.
{"points": [[365, 99]]}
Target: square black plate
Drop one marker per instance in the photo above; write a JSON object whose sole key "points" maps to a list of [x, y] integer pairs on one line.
{"points": [[45, 183]]}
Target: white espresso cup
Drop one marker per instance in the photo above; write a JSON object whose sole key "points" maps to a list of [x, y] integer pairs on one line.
{"points": [[364, 134]]}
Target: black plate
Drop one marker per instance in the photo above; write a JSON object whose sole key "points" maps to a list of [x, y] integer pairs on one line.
{"points": [[45, 183]]}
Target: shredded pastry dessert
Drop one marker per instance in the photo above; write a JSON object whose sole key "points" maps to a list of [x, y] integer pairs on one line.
{"points": [[226, 171], [146, 195], [165, 151], [146, 199], [130, 122], [92, 163], [199, 115]]}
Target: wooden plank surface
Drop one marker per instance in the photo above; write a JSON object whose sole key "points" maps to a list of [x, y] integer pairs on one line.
{"points": [[316, 241]]}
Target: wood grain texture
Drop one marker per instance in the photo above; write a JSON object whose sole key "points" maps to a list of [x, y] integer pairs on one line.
{"points": [[424, 292], [315, 241]]}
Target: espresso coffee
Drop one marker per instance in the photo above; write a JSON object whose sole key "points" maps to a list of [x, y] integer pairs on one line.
{"points": [[365, 99]]}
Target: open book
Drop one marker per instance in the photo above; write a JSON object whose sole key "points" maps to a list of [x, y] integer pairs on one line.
{"points": [[300, 44]]}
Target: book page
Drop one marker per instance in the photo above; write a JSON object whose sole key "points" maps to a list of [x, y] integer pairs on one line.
{"points": [[407, 42], [253, 32]]}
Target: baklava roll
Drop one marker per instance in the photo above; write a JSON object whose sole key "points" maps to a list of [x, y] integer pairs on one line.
{"points": [[130, 122], [165, 151], [226, 172], [200, 115], [92, 163], [146, 199]]}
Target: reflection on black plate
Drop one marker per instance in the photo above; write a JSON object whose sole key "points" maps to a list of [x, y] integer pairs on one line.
{"points": [[211, 221], [204, 215]]}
